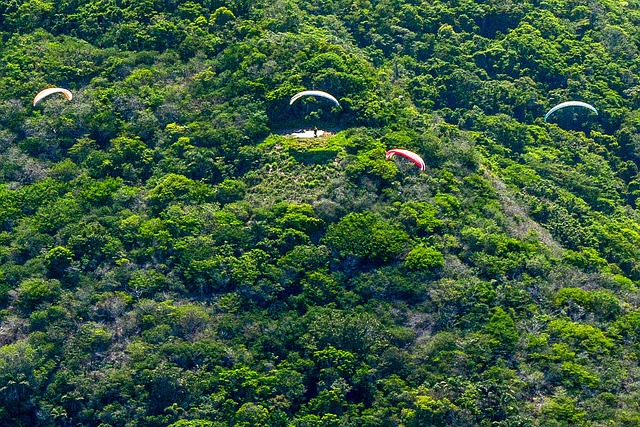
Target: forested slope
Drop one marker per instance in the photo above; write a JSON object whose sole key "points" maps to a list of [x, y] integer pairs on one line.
{"points": [[171, 255]]}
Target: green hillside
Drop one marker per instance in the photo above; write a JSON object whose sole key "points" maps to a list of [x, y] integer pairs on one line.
{"points": [[171, 255]]}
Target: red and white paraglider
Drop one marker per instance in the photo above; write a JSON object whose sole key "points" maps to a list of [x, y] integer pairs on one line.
{"points": [[409, 155]]}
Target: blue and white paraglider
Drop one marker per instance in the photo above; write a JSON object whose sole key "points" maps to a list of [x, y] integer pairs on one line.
{"points": [[570, 104]]}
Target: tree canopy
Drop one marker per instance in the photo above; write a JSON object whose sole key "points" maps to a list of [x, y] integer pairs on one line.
{"points": [[172, 254]]}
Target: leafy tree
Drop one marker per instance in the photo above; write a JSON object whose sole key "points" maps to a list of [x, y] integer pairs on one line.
{"points": [[365, 236], [171, 255], [424, 258]]}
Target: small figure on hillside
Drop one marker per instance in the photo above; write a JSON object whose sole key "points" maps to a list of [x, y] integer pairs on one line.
{"points": [[315, 131]]}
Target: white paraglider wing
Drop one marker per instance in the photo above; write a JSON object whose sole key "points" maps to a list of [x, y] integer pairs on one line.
{"points": [[319, 93]]}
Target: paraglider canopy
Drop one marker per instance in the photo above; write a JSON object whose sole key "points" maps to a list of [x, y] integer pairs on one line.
{"points": [[319, 93], [409, 155], [570, 104], [49, 91]]}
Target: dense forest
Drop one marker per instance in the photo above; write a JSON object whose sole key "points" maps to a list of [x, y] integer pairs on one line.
{"points": [[170, 255]]}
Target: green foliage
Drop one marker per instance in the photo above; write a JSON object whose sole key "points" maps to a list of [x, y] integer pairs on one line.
{"points": [[582, 337], [58, 260], [195, 423], [35, 292], [176, 188], [229, 190], [562, 411], [503, 329], [171, 255], [420, 216], [424, 258], [366, 236], [602, 303], [428, 411]]}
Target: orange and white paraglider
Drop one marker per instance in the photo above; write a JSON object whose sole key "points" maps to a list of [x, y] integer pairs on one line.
{"points": [[50, 91], [409, 155]]}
